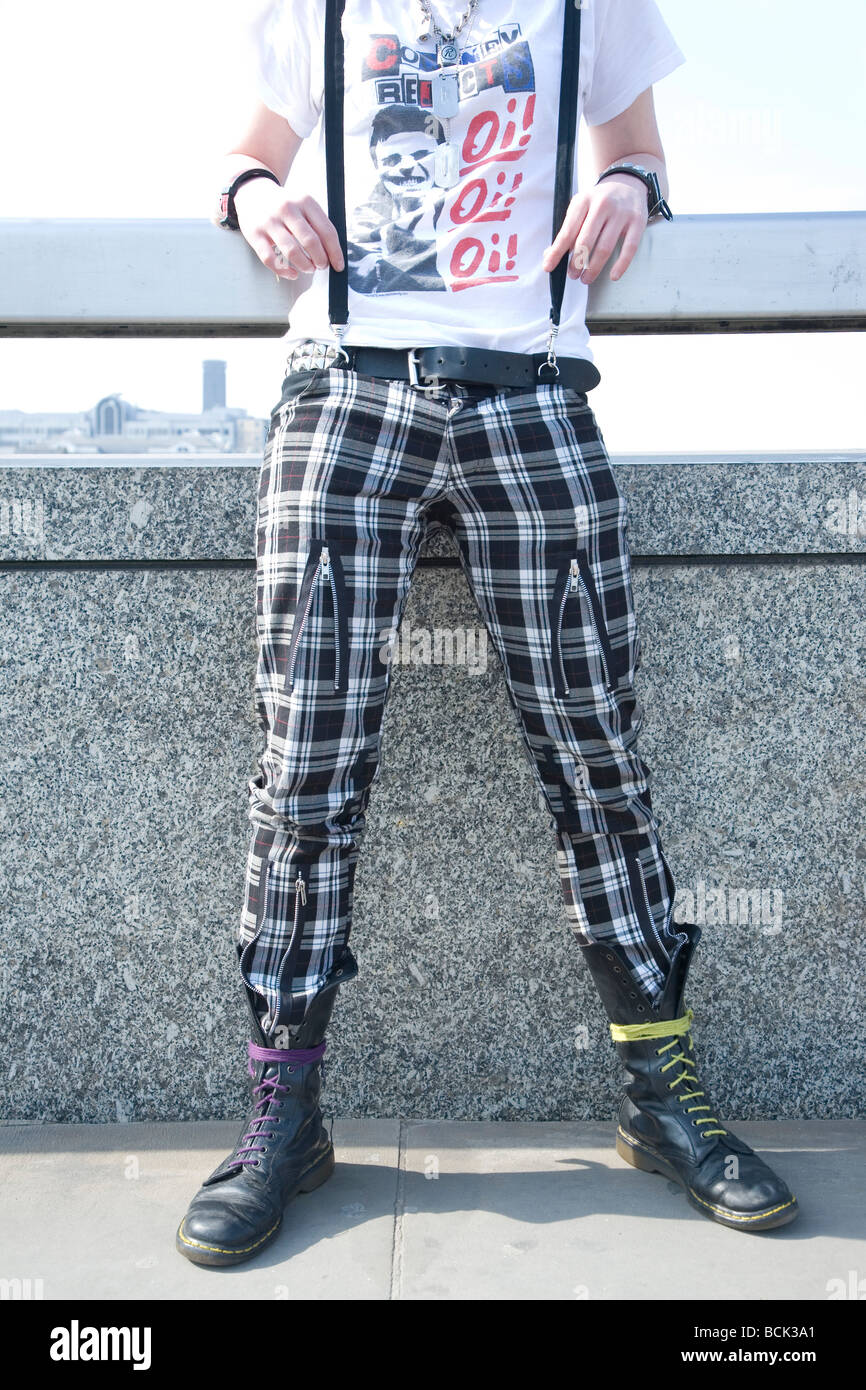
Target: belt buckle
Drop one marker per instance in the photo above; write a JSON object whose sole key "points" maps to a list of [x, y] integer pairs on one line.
{"points": [[433, 383]]}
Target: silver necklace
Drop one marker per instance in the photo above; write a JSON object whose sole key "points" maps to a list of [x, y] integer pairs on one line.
{"points": [[445, 88]]}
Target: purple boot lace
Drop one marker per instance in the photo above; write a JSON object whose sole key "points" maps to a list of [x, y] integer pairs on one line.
{"points": [[267, 1091]]}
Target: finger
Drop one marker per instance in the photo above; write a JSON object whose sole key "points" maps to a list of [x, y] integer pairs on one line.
{"points": [[311, 228], [303, 248], [327, 232], [572, 224], [263, 246], [565, 237], [630, 244], [579, 260], [608, 238], [585, 241]]}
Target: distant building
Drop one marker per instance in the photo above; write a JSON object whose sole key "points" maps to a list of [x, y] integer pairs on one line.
{"points": [[213, 385], [113, 426]]}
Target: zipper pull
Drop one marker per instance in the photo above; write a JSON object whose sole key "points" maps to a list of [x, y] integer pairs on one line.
{"points": [[301, 888], [325, 562], [575, 576]]}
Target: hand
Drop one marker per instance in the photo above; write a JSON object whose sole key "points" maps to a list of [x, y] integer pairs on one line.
{"points": [[594, 223], [267, 218]]}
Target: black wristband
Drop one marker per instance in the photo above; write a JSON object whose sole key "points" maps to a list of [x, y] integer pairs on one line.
{"points": [[655, 202], [227, 213]]}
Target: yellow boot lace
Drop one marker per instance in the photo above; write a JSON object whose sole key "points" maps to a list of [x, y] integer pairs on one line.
{"points": [[675, 1029]]}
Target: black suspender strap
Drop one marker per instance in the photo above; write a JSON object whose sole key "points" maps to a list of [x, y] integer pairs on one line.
{"points": [[569, 80], [338, 280]]}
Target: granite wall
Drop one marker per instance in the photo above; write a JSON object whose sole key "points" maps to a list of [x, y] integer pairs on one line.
{"points": [[128, 735]]}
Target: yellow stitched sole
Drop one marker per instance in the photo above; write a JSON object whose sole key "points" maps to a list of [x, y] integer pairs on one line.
{"points": [[218, 1249], [743, 1216], [728, 1213]]}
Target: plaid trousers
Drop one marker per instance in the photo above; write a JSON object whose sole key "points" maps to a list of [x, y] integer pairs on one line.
{"points": [[353, 467]]}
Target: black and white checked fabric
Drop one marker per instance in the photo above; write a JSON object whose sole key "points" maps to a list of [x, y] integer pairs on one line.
{"points": [[352, 467]]}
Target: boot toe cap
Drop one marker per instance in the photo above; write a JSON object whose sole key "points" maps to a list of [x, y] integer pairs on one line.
{"points": [[222, 1227], [754, 1194]]}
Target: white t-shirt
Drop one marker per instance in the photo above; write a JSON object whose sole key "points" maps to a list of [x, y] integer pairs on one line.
{"points": [[461, 265]]}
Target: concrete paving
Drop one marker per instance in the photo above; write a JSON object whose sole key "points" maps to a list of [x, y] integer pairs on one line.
{"points": [[428, 1211]]}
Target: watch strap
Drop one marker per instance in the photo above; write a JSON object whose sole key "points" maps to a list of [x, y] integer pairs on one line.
{"points": [[227, 214], [656, 205]]}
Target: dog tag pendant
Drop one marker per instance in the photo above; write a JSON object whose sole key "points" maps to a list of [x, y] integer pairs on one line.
{"points": [[445, 172], [446, 97]]}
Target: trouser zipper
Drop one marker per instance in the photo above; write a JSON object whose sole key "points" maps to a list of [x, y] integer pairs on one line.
{"points": [[644, 913], [300, 896], [329, 579], [290, 955], [289, 962], [327, 574], [578, 580]]}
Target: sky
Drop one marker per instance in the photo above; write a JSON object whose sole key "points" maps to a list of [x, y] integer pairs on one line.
{"points": [[117, 109]]}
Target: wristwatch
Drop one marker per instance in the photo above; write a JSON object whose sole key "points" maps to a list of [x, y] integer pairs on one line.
{"points": [[226, 215], [656, 205]]}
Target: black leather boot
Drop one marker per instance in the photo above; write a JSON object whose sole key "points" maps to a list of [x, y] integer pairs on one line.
{"points": [[666, 1123], [284, 1148]]}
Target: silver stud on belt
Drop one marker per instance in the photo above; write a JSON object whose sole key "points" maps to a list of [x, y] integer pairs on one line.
{"points": [[311, 355]]}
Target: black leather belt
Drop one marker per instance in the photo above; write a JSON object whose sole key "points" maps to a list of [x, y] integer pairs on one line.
{"points": [[426, 366]]}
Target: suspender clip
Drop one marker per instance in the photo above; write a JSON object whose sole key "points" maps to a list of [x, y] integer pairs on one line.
{"points": [[551, 355], [340, 329]]}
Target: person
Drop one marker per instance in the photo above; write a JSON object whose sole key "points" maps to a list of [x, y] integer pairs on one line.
{"points": [[451, 260], [392, 240]]}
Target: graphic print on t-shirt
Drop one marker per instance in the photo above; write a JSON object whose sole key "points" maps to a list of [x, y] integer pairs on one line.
{"points": [[409, 234]]}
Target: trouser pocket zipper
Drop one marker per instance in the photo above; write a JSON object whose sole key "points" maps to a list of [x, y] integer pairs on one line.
{"points": [[289, 962], [637, 882], [323, 575], [259, 969], [576, 585]]}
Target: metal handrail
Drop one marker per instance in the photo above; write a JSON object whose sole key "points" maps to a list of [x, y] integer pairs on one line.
{"points": [[716, 273]]}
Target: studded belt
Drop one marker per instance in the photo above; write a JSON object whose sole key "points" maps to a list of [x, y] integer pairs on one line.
{"points": [[426, 367]]}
